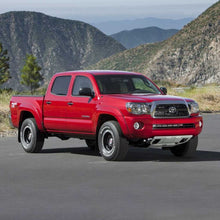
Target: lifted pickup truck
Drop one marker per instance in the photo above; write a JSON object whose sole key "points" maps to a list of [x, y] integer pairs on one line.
{"points": [[110, 110]]}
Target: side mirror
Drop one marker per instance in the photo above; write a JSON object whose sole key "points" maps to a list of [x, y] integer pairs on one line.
{"points": [[164, 90], [86, 92]]}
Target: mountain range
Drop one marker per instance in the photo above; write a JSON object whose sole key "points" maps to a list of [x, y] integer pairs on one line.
{"points": [[192, 56], [58, 44], [136, 37], [112, 27]]}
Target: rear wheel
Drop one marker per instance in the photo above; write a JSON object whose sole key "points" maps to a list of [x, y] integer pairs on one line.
{"points": [[112, 145], [32, 140], [187, 149]]}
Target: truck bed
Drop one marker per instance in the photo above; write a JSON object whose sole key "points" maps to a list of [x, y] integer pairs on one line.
{"points": [[32, 104]]}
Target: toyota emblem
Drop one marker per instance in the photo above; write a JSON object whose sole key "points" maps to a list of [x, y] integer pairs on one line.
{"points": [[172, 110]]}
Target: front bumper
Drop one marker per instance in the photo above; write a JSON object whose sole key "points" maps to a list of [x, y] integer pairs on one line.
{"points": [[152, 127], [169, 140]]}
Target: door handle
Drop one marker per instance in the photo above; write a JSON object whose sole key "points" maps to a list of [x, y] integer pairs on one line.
{"points": [[70, 103], [48, 102]]}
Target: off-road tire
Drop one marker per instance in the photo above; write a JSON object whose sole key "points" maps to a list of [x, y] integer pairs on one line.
{"points": [[112, 145], [187, 149], [32, 140]]}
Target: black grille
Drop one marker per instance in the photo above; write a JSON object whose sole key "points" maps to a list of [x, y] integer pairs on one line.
{"points": [[172, 126], [171, 111]]}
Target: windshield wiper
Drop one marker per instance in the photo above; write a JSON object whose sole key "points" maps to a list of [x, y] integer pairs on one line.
{"points": [[138, 91]]}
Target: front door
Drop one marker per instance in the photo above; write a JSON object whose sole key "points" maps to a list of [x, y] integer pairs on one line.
{"points": [[82, 110]]}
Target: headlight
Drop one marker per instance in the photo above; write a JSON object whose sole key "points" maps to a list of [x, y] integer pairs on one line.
{"points": [[138, 108], [193, 107]]}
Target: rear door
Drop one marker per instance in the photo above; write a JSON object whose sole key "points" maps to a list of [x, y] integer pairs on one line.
{"points": [[56, 104]]}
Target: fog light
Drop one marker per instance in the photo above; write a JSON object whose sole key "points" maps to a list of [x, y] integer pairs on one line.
{"points": [[137, 125], [200, 124]]}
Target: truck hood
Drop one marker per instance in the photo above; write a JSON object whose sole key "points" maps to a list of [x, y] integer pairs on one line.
{"points": [[145, 98]]}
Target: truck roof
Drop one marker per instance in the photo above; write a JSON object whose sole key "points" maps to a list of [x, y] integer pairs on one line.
{"points": [[98, 72]]}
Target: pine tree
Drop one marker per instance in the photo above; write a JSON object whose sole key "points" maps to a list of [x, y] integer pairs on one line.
{"points": [[4, 65], [31, 76]]}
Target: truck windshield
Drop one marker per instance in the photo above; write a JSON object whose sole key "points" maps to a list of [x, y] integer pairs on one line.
{"points": [[125, 84]]}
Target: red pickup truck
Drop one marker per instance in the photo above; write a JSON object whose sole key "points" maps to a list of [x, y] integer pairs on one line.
{"points": [[110, 110]]}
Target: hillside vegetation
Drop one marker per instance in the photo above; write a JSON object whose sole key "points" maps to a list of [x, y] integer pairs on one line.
{"points": [[192, 56]]}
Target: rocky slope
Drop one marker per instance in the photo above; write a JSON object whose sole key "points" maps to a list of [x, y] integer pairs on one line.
{"points": [[136, 37], [192, 56], [58, 44]]}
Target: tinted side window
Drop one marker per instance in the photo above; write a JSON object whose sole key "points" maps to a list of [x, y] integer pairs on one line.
{"points": [[81, 82], [61, 85]]}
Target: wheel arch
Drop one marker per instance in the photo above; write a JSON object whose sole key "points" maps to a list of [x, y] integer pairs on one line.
{"points": [[104, 117]]}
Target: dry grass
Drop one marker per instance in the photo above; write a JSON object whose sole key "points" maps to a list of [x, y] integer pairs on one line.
{"points": [[4, 112], [208, 97]]}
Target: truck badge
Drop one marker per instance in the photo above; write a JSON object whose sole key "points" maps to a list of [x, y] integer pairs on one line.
{"points": [[172, 110]]}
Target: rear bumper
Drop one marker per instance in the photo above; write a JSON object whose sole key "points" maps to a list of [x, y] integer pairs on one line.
{"points": [[151, 127], [10, 121]]}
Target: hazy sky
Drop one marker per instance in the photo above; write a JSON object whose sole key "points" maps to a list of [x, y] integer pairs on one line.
{"points": [[104, 10]]}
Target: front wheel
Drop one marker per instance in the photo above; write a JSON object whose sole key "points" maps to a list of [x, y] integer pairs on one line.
{"points": [[187, 149], [31, 139], [112, 145]]}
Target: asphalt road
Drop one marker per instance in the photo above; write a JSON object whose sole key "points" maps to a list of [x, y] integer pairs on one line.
{"points": [[68, 181]]}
